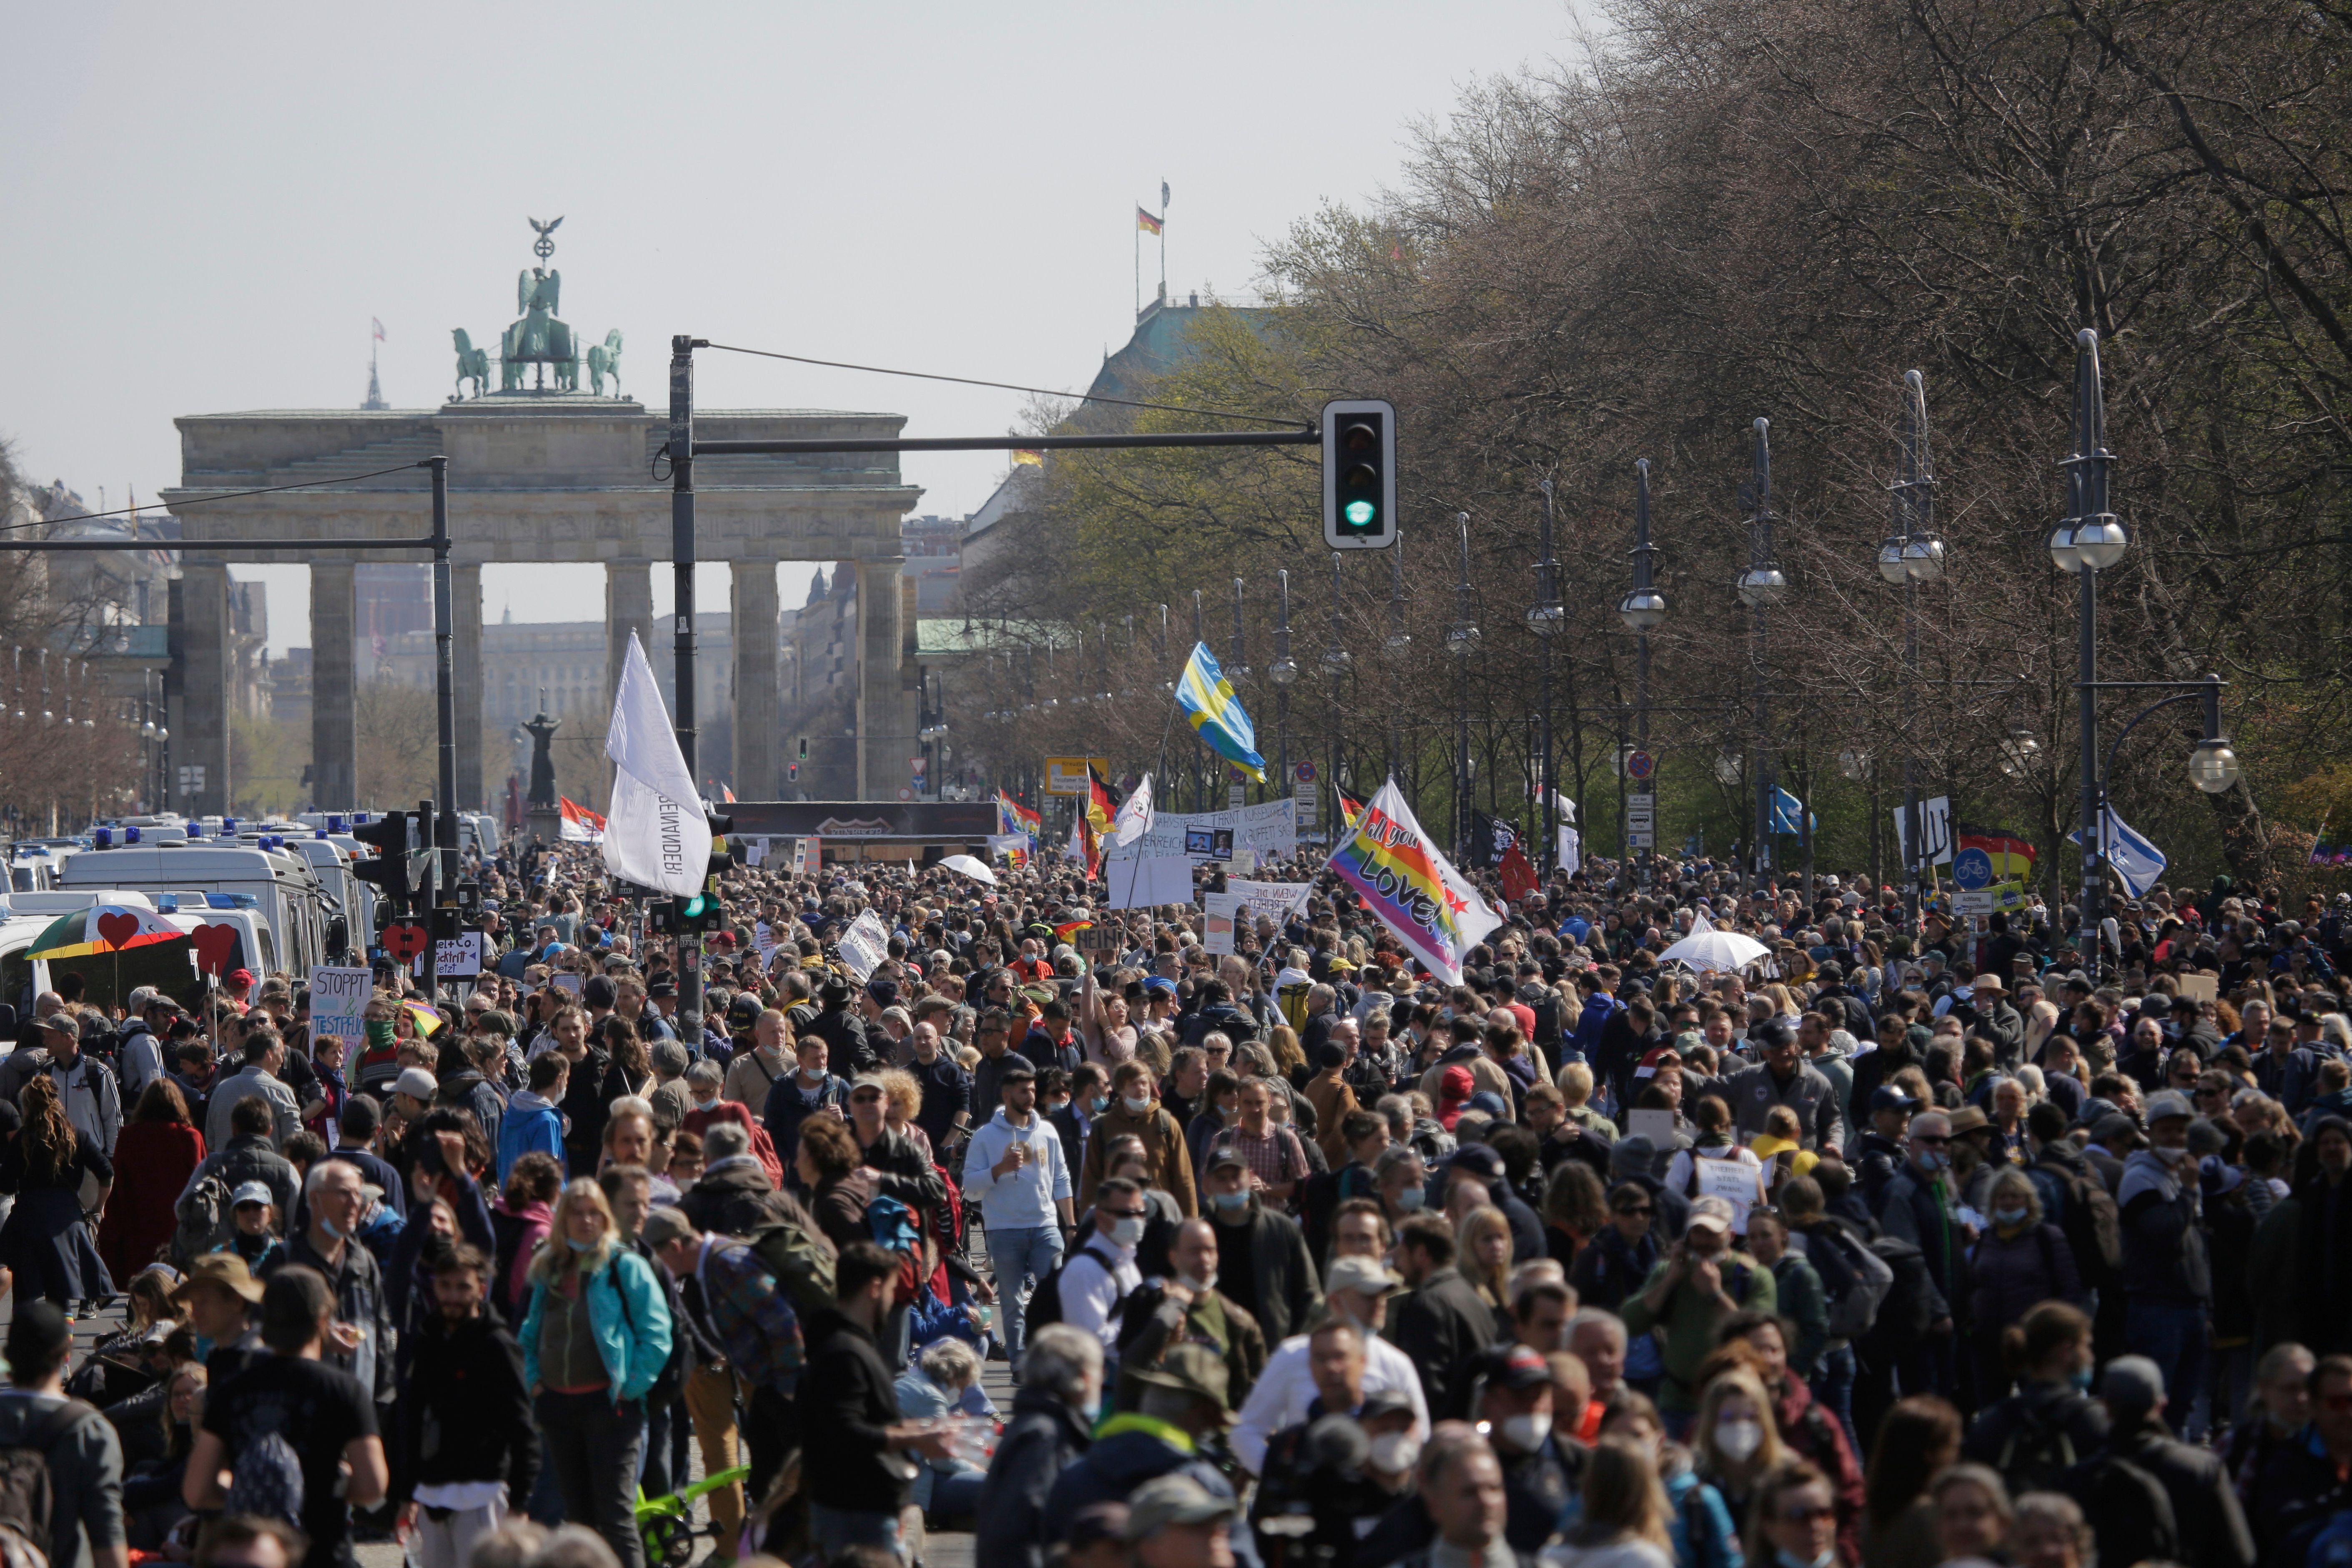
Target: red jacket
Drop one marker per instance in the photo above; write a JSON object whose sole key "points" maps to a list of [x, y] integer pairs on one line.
{"points": [[1812, 1433], [699, 1122], [152, 1162]]}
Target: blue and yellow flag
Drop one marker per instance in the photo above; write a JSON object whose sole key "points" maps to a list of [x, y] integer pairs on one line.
{"points": [[1208, 699]]}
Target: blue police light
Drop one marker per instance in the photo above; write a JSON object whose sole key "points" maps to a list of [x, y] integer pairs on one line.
{"points": [[131, 835], [106, 838]]}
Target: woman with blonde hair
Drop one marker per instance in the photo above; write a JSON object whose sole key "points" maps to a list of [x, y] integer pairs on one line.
{"points": [[595, 1334], [1620, 1513], [902, 1097], [1483, 1252], [1736, 1442], [1289, 1059]]}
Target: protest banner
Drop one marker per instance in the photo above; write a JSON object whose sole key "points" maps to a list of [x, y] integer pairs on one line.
{"points": [[865, 944], [338, 999]]}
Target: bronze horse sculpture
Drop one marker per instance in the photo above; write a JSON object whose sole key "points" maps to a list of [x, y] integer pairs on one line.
{"points": [[473, 364], [603, 360]]}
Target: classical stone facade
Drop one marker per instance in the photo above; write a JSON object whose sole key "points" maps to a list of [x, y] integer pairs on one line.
{"points": [[544, 477]]}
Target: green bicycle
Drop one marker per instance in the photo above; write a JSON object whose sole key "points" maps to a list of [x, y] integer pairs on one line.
{"points": [[666, 1523]]}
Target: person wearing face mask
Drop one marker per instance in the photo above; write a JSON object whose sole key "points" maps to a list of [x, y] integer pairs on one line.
{"points": [[1918, 1207], [327, 1244], [1513, 1409], [1263, 1258], [1736, 1442], [1692, 1290], [1073, 1118], [2021, 1261], [2164, 1276], [1135, 1111], [1795, 1518], [1356, 1291], [1185, 1306], [1318, 1466], [1097, 1280]]}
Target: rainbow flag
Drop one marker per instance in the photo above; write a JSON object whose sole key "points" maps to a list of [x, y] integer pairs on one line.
{"points": [[1412, 886], [427, 1021], [1013, 817]]}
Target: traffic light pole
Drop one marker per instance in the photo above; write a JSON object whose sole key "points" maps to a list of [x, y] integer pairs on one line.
{"points": [[444, 829], [681, 547]]}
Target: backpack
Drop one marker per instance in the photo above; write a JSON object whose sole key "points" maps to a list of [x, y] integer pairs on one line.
{"points": [[1045, 1302], [1855, 1281], [205, 1222], [799, 1258], [2038, 1450], [1908, 1308], [2130, 1512], [2093, 1225], [25, 1500], [507, 1231], [266, 1480]]}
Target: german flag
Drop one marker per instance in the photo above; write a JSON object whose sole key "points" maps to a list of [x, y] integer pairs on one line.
{"points": [[1069, 929], [1100, 806], [2012, 854], [1146, 222], [1351, 808]]}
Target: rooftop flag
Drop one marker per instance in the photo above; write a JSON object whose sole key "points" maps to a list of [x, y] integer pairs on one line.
{"points": [[1146, 222], [1208, 700]]}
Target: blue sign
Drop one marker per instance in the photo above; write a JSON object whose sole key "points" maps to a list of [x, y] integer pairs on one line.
{"points": [[1972, 869]]}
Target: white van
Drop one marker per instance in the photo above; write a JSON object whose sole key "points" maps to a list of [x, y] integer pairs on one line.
{"points": [[24, 916], [282, 885]]}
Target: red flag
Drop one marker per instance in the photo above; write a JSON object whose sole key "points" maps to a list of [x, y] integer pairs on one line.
{"points": [[1518, 875], [726, 796]]}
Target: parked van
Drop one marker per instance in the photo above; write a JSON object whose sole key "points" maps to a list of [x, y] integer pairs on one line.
{"points": [[285, 891]]}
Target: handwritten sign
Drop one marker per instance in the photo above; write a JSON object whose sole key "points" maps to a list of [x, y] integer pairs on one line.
{"points": [[865, 944], [338, 999], [1733, 1181], [1278, 902]]}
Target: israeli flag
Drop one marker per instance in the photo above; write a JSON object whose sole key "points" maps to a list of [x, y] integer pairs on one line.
{"points": [[2136, 860], [1787, 811]]}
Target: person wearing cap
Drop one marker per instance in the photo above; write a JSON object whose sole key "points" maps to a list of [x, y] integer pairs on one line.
{"points": [[216, 1298], [2166, 1278], [1515, 1411], [138, 1055], [845, 1034], [413, 1092], [1175, 1522], [1263, 1253], [1013, 1168], [1784, 1077], [1357, 1291], [82, 1454], [255, 1238], [1183, 1406], [1700, 1282], [2212, 1525], [93, 1101]]}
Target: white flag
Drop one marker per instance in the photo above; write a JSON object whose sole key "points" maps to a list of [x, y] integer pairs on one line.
{"points": [[1571, 850], [2134, 860], [1134, 818], [655, 835]]}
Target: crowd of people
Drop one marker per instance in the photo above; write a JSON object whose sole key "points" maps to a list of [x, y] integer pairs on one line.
{"points": [[1905, 1244]]}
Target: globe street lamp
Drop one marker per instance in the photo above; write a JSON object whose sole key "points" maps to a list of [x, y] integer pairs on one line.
{"points": [[1462, 641], [2088, 541], [1284, 673], [1642, 609], [1761, 587], [1545, 617]]}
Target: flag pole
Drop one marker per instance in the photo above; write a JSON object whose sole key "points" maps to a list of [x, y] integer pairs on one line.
{"points": [[1163, 242], [1138, 270]]}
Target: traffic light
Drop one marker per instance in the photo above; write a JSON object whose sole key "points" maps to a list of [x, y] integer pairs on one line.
{"points": [[1359, 473], [388, 871], [721, 858]]}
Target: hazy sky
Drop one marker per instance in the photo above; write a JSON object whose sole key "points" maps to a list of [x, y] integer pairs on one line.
{"points": [[206, 205]]}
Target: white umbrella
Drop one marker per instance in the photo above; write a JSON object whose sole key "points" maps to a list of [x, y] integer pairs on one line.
{"points": [[970, 867], [1710, 950]]}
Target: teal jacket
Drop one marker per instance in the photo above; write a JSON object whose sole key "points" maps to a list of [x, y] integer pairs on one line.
{"points": [[631, 1320]]}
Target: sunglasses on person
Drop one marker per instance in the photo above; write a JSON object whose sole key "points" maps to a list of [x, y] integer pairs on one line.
{"points": [[1929, 1139], [866, 1097], [1640, 1209], [1806, 1514]]}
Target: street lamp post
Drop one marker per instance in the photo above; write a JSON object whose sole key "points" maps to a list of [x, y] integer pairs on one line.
{"points": [[1396, 649], [1544, 618], [1761, 587], [1200, 773], [1335, 664], [2088, 540], [1283, 672], [1911, 556], [1237, 672], [1641, 609], [1462, 641]]}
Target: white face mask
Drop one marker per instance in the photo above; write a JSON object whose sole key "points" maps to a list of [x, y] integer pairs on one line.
{"points": [[1526, 1433], [1739, 1440], [1394, 1453], [1136, 1105], [1198, 1287], [1127, 1232]]}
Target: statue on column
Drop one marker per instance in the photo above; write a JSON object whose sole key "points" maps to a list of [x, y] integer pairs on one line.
{"points": [[546, 816]]}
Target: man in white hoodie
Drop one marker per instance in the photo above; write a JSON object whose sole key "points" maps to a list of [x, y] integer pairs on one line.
{"points": [[1013, 1166]]}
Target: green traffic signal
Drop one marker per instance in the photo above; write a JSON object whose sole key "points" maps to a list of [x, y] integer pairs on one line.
{"points": [[1360, 512]]}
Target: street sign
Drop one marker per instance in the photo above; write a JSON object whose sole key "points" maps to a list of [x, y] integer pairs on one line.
{"points": [[1973, 901], [1640, 840], [1304, 773], [1972, 869], [1068, 775], [1305, 798], [1641, 765], [1642, 801]]}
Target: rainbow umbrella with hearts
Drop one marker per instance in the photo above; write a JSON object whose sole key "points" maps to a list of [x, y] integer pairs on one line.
{"points": [[104, 931]]}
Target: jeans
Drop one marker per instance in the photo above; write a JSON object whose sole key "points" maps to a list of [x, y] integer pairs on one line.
{"points": [[1832, 1389], [593, 1445], [1021, 1257], [955, 1500], [2174, 1338], [835, 1529]]}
